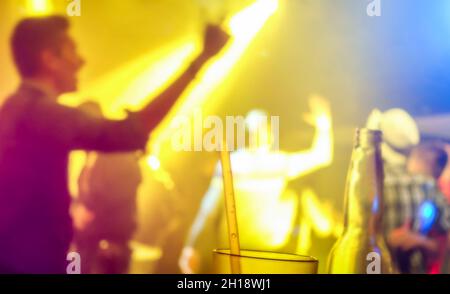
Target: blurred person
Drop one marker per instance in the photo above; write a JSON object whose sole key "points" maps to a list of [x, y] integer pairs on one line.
{"points": [[405, 193], [428, 160], [265, 211], [108, 186], [37, 134], [105, 211]]}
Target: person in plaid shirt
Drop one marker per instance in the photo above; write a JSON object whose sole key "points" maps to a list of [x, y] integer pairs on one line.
{"points": [[416, 214]]}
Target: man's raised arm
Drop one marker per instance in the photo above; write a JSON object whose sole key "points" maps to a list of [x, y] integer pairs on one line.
{"points": [[157, 109]]}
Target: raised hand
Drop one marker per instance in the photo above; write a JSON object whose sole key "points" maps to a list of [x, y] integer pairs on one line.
{"points": [[320, 114], [214, 41]]}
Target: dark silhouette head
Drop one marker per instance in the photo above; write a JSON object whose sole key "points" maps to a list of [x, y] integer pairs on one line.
{"points": [[43, 49]]}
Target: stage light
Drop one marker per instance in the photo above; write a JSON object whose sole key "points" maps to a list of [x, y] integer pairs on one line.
{"points": [[153, 162], [39, 7], [247, 23]]}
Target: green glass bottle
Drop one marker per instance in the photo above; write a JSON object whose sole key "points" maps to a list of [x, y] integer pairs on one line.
{"points": [[362, 247]]}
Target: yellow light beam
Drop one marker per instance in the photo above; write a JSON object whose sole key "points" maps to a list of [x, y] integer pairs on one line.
{"points": [[121, 89], [243, 27], [128, 86]]}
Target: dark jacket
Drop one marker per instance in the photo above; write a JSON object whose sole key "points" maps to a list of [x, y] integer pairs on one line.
{"points": [[36, 137]]}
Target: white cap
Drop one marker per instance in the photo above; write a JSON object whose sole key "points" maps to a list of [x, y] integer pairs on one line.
{"points": [[399, 131]]}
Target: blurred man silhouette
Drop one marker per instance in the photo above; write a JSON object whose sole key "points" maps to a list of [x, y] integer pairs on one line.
{"points": [[265, 212], [37, 135]]}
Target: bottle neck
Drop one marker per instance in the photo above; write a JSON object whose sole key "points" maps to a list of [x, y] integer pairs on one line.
{"points": [[364, 191]]}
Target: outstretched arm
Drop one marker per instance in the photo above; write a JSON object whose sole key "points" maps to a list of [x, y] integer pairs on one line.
{"points": [[156, 110], [77, 129], [406, 239], [321, 152]]}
